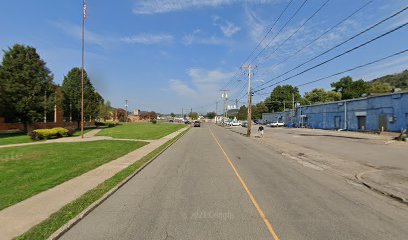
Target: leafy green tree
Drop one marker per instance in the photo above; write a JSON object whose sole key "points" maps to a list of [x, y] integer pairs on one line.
{"points": [[319, 95], [193, 115], [280, 96], [242, 113], [258, 109], [350, 89], [398, 80], [380, 87], [105, 110], [211, 115], [71, 89], [172, 115], [26, 86]]}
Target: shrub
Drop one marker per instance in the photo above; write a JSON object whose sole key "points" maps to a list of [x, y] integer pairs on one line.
{"points": [[99, 124], [154, 121], [105, 124], [41, 134]]}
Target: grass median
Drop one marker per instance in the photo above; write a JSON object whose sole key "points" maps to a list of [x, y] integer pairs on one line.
{"points": [[46, 228], [29, 170], [145, 131]]}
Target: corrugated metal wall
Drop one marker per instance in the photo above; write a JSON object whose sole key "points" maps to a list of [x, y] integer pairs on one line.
{"points": [[374, 113]]}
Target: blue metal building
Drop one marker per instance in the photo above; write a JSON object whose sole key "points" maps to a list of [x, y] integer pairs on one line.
{"points": [[388, 112]]}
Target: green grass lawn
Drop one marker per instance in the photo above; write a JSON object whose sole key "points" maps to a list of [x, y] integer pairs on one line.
{"points": [[14, 138], [28, 170], [146, 131], [77, 133]]}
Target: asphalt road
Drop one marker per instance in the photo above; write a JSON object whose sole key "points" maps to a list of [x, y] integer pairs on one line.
{"points": [[215, 184]]}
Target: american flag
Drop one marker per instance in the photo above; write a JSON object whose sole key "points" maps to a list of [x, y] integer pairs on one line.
{"points": [[84, 9]]}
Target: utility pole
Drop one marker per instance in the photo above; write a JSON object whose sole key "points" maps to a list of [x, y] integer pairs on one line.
{"points": [[249, 119], [216, 112], [82, 70], [293, 107], [225, 98], [126, 106], [182, 113]]}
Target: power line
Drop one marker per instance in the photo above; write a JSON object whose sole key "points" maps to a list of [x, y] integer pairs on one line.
{"points": [[260, 42], [270, 29], [347, 70], [297, 30], [354, 68], [324, 33], [280, 30], [337, 56], [342, 43]]}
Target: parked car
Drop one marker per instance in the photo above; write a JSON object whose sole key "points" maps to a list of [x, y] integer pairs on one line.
{"points": [[187, 122], [276, 124], [234, 124], [171, 120], [197, 124], [244, 124]]}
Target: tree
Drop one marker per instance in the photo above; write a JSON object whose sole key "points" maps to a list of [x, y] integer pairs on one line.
{"points": [[105, 110], [258, 109], [211, 115], [242, 113], [172, 115], [380, 87], [120, 114], [350, 89], [25, 86], [148, 115], [281, 96], [193, 115], [319, 95], [71, 89], [398, 80]]}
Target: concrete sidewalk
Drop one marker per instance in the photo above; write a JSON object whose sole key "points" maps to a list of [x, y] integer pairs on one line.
{"points": [[88, 137], [19, 218], [368, 159]]}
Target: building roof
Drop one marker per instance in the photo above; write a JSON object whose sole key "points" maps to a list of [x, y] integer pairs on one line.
{"points": [[358, 99]]}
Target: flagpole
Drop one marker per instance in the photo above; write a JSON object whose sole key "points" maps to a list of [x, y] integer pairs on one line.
{"points": [[82, 70]]}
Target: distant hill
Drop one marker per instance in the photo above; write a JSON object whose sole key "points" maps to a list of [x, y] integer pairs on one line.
{"points": [[398, 80]]}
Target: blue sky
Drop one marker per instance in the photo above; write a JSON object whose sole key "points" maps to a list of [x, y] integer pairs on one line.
{"points": [[165, 55]]}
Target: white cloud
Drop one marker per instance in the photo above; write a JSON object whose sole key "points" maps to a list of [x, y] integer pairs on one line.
{"points": [[181, 88], [148, 39], [75, 31], [165, 6], [199, 37], [228, 28], [203, 85]]}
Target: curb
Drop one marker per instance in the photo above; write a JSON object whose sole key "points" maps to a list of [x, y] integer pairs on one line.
{"points": [[66, 227], [378, 190]]}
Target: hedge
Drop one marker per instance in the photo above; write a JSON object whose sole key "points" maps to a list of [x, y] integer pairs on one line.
{"points": [[41, 134], [105, 124]]}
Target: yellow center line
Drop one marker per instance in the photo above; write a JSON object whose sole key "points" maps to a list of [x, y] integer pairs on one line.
{"points": [[261, 213]]}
